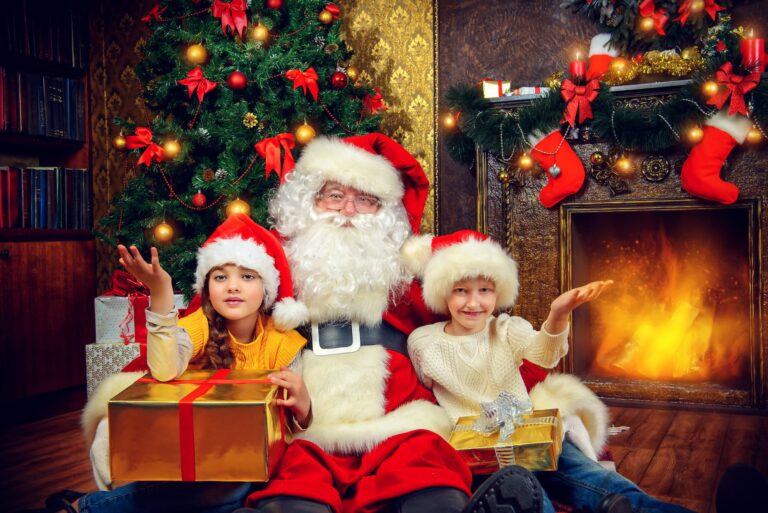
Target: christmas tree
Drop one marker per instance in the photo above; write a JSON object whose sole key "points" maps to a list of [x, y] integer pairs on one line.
{"points": [[237, 89]]}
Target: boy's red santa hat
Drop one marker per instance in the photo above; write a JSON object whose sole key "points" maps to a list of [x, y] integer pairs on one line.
{"points": [[443, 260], [241, 241], [371, 163]]}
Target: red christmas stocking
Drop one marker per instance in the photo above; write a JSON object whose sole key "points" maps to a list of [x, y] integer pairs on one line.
{"points": [[600, 56], [563, 167], [700, 175]]}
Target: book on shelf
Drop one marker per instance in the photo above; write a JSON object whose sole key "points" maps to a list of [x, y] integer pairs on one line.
{"points": [[45, 197]]}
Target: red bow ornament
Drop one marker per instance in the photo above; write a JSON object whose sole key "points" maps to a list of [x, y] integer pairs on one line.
{"points": [[154, 14], [143, 138], [736, 86], [709, 5], [578, 99], [304, 79], [648, 10], [334, 10], [375, 102], [196, 80], [232, 16], [269, 149]]}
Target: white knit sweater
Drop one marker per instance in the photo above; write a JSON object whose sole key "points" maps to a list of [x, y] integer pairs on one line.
{"points": [[464, 371]]}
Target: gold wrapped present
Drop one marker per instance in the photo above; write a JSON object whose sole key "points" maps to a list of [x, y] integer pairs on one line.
{"points": [[204, 426], [535, 444], [495, 88]]}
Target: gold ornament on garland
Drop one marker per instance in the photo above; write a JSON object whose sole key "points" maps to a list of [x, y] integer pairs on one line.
{"points": [[525, 162], [119, 141], [238, 206], [655, 62], [710, 88], [250, 120], [754, 136], [449, 121], [352, 73], [197, 54], [163, 232], [171, 148], [325, 17], [305, 133], [623, 166], [695, 135], [597, 158], [260, 33]]}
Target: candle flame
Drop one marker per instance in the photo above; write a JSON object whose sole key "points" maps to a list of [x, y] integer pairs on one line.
{"points": [[751, 33], [578, 55]]}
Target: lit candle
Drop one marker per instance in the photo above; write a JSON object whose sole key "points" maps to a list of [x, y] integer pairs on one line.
{"points": [[578, 68], [753, 53]]}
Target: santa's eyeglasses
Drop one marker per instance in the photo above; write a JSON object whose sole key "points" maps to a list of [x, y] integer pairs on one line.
{"points": [[335, 200]]}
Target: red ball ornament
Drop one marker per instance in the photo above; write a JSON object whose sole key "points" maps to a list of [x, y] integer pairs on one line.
{"points": [[199, 199], [339, 80], [275, 4], [237, 80]]}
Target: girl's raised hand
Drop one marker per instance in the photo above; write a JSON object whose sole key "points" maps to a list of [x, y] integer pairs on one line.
{"points": [[298, 395], [151, 274]]}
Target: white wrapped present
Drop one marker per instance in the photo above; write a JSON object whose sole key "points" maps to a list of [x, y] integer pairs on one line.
{"points": [[105, 359], [121, 318]]}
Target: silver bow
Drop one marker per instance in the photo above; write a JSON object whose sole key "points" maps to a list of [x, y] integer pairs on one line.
{"points": [[501, 415]]}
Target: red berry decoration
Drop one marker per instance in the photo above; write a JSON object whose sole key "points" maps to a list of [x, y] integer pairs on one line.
{"points": [[275, 4], [237, 80], [339, 80], [199, 199]]}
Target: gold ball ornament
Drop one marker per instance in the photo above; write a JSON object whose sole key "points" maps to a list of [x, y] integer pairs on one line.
{"points": [[305, 133], [619, 65], [163, 232], [597, 158], [525, 162], [197, 54], [623, 166], [695, 135], [353, 73], [646, 24], [710, 88], [697, 5], [119, 142], [260, 33], [754, 136], [171, 148], [238, 206], [449, 121], [503, 176], [325, 17]]}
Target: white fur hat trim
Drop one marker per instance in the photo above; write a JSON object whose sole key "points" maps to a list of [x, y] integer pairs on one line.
{"points": [[246, 253], [468, 259], [350, 165]]}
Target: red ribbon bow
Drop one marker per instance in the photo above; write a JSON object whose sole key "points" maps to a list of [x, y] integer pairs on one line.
{"points": [[232, 16], [196, 80], [375, 102], [334, 10], [709, 5], [154, 14], [736, 86], [269, 149], [648, 9], [124, 284], [143, 138], [304, 79], [579, 99]]}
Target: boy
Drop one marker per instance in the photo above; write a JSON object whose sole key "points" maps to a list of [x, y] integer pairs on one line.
{"points": [[475, 355]]}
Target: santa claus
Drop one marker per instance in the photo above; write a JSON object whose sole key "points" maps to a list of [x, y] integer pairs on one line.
{"points": [[377, 438]]}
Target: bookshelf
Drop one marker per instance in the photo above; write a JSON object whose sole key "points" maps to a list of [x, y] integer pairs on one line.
{"points": [[47, 252]]}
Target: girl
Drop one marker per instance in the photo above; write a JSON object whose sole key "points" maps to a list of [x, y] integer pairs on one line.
{"points": [[241, 271]]}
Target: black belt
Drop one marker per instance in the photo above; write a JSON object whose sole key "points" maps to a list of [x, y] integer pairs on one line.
{"points": [[339, 334]]}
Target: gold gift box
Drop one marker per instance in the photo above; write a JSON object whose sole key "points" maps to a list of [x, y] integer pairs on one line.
{"points": [[491, 88], [535, 444], [236, 430]]}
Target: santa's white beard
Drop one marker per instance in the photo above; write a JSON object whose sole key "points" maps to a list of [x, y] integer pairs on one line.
{"points": [[345, 272]]}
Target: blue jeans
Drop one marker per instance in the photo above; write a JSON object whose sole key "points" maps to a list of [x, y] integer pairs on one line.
{"points": [[167, 497], [583, 483]]}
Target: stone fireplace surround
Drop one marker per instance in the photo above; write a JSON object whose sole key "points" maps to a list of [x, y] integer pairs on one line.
{"points": [[509, 211]]}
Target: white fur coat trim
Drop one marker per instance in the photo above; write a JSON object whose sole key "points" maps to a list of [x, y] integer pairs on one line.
{"points": [[572, 397], [96, 407]]}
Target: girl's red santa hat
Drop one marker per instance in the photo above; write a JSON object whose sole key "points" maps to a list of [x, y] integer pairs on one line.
{"points": [[371, 163], [444, 260], [241, 241]]}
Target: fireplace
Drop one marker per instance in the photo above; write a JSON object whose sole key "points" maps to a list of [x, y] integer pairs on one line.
{"points": [[679, 323]]}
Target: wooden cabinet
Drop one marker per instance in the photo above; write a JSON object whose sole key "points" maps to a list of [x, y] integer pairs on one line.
{"points": [[47, 268]]}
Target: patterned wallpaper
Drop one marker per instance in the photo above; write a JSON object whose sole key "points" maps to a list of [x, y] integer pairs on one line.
{"points": [[394, 44]]}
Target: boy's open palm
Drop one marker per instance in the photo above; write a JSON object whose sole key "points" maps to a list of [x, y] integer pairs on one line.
{"points": [[150, 273], [571, 299]]}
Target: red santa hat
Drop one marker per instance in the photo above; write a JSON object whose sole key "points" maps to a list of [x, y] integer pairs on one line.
{"points": [[240, 241], [372, 163], [443, 260]]}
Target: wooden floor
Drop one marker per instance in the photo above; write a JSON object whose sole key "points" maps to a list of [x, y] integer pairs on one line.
{"points": [[676, 455]]}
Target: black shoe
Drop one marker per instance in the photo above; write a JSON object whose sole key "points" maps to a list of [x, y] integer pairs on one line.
{"points": [[742, 489], [63, 501], [287, 504], [510, 490], [614, 503], [439, 499]]}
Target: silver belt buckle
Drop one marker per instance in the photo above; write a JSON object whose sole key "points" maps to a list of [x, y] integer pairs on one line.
{"points": [[322, 351]]}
